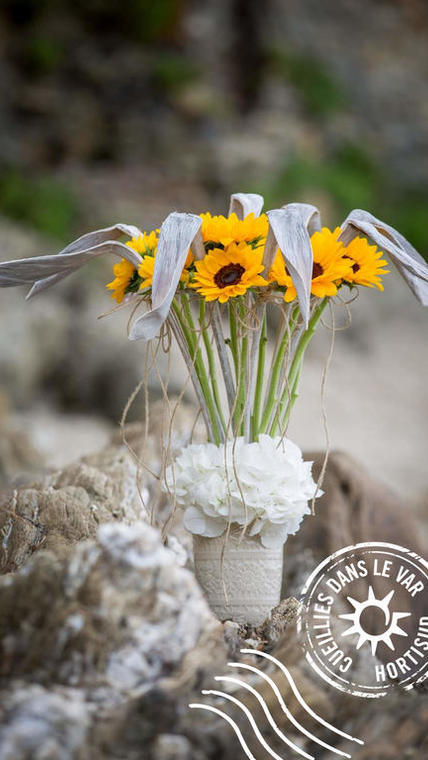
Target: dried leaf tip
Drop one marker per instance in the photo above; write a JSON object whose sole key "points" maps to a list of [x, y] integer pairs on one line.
{"points": [[243, 204], [45, 271]]}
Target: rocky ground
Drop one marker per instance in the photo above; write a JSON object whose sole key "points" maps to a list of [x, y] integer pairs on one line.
{"points": [[105, 636]]}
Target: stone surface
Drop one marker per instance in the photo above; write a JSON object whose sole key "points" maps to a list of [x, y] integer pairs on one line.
{"points": [[117, 613], [68, 506], [18, 456], [40, 725], [105, 637], [171, 747], [103, 650], [100, 631]]}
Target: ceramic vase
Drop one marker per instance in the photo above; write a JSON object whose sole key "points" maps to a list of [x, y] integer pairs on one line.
{"points": [[245, 585]]}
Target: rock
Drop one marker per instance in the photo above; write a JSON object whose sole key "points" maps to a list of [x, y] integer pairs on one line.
{"points": [[118, 613], [18, 457], [281, 616], [69, 505], [233, 637], [171, 747], [105, 637], [102, 649], [39, 725]]}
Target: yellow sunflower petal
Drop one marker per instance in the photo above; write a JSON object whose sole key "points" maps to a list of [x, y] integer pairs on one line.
{"points": [[321, 289], [145, 243], [123, 272], [227, 230], [290, 294]]}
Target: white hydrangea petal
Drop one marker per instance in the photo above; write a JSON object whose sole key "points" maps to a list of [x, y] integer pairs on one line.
{"points": [[273, 536], [196, 522]]}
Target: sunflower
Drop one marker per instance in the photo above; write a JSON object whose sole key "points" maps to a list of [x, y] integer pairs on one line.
{"points": [[221, 231], [223, 274], [146, 244], [329, 267], [126, 278], [123, 272], [367, 264]]}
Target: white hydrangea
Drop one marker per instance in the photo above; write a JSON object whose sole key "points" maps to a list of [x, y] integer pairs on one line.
{"points": [[272, 477]]}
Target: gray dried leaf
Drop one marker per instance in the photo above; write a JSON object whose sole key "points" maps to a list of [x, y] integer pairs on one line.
{"points": [[45, 271], [176, 237], [412, 267], [289, 226], [269, 253], [243, 204], [198, 248], [310, 215], [47, 283]]}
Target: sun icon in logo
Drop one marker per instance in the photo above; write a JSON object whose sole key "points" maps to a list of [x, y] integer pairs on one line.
{"points": [[391, 621]]}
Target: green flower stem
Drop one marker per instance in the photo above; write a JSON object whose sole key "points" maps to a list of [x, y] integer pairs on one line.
{"points": [[188, 327], [276, 371], [296, 366], [182, 343], [211, 361], [234, 339], [242, 374], [223, 355], [291, 401], [255, 419]]}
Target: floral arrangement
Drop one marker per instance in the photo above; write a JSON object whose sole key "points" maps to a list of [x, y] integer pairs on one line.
{"points": [[211, 282]]}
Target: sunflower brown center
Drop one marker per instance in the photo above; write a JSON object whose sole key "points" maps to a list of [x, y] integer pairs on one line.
{"points": [[229, 275], [317, 270], [355, 267]]}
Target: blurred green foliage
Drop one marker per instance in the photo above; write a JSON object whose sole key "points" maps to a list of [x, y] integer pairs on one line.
{"points": [[44, 54], [350, 178], [316, 87], [172, 71], [44, 204]]}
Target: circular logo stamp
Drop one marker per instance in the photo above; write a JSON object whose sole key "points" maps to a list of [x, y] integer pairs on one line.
{"points": [[364, 619]]}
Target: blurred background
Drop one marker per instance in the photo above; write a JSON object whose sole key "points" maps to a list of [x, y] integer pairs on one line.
{"points": [[125, 111]]}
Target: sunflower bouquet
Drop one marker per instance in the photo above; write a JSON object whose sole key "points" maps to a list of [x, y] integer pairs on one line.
{"points": [[229, 276], [242, 295]]}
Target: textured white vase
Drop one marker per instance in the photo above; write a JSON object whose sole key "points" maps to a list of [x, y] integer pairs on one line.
{"points": [[250, 574]]}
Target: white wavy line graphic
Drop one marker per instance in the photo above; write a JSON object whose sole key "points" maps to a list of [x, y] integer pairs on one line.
{"points": [[266, 711], [226, 717], [284, 707], [268, 714], [294, 689], [254, 726], [286, 711]]}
